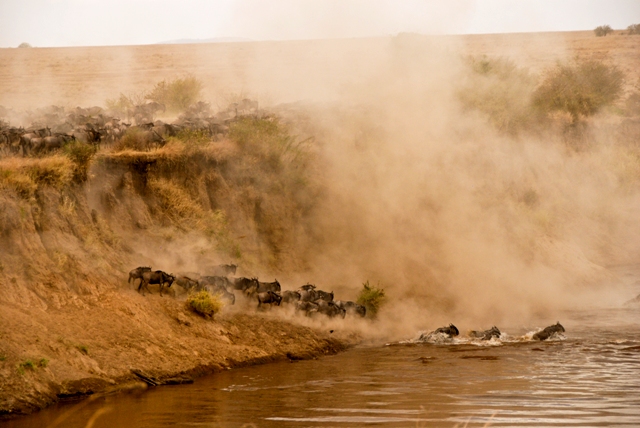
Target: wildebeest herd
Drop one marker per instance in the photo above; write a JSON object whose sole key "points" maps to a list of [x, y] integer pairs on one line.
{"points": [[307, 299], [53, 127], [450, 331]]}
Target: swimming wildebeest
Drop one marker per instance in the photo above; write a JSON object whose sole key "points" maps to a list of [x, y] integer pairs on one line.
{"points": [[137, 273], [269, 297], [156, 277], [448, 331], [548, 332], [485, 335]]}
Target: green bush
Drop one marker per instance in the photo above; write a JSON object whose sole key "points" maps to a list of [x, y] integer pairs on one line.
{"points": [[634, 29], [177, 94], [82, 348], [580, 89], [26, 365], [43, 362], [372, 298], [603, 30], [204, 303]]}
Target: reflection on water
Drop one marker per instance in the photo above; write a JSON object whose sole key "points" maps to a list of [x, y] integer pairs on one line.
{"points": [[591, 378]]}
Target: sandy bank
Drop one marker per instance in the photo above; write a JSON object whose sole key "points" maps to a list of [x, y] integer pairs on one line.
{"points": [[96, 345]]}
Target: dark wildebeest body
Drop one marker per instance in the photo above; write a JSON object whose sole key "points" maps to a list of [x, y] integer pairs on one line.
{"points": [[218, 281], [440, 333], [289, 296], [157, 277], [186, 282], [269, 297], [137, 273], [330, 309], [547, 332], [487, 334], [269, 286], [352, 307], [308, 295], [246, 285], [307, 307], [323, 295]]}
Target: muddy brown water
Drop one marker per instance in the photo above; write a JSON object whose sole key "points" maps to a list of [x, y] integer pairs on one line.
{"points": [[589, 378]]}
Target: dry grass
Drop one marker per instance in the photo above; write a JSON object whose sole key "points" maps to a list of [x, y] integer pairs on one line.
{"points": [[25, 175], [204, 303]]}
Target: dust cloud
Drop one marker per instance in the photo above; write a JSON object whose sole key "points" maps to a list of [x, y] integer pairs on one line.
{"points": [[456, 221]]}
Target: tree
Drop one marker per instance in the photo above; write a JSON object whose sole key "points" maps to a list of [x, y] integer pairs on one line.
{"points": [[580, 89], [24, 45], [634, 29], [603, 30]]}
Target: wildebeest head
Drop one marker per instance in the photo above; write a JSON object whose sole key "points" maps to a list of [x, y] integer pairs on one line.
{"points": [[169, 278], [276, 297], [559, 327], [453, 330]]}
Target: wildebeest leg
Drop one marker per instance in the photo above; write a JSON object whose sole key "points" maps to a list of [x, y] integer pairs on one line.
{"points": [[144, 284], [161, 286]]}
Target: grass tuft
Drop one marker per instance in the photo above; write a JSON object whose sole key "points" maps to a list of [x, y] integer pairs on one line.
{"points": [[204, 303], [26, 175]]}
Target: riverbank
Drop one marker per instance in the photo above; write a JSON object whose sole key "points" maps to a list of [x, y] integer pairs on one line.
{"points": [[97, 344]]}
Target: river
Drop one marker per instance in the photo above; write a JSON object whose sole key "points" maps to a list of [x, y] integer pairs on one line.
{"points": [[588, 378]]}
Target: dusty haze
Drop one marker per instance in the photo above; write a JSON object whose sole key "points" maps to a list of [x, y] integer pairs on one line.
{"points": [[417, 195]]}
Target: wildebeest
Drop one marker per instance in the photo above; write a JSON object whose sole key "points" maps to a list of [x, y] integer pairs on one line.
{"points": [[485, 335], [307, 307], [269, 286], [246, 285], [547, 332], [224, 270], [137, 273], [289, 296], [307, 287], [156, 277], [187, 282], [330, 309], [448, 332], [269, 297], [352, 307], [222, 292], [323, 295], [309, 293], [218, 281]]}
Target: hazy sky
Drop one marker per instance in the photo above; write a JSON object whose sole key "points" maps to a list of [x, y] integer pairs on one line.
{"points": [[118, 22]]}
